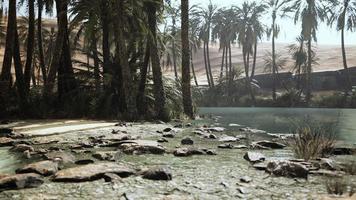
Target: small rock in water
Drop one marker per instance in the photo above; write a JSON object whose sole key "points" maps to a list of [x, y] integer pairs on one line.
{"points": [[45, 168], [22, 148], [187, 141], [212, 136], [168, 135], [111, 177], [182, 152], [84, 162], [162, 140], [157, 174], [246, 179], [234, 125], [167, 130], [241, 146], [254, 157], [216, 129], [4, 141], [287, 169], [63, 157], [226, 146], [20, 181], [270, 144], [228, 139], [260, 166], [109, 156]]}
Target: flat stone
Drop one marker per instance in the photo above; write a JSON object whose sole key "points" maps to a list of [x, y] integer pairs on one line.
{"points": [[328, 173], [142, 147], [162, 140], [260, 166], [62, 157], [182, 152], [167, 130], [84, 162], [215, 129], [228, 139], [226, 146], [168, 135], [20, 181], [157, 174], [111, 177], [328, 164], [241, 146], [246, 179], [4, 142], [22, 148], [187, 141], [45, 168], [270, 144], [92, 172], [254, 157], [287, 169], [109, 156]]}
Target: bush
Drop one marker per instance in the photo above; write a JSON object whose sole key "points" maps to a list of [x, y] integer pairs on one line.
{"points": [[336, 186], [312, 141]]}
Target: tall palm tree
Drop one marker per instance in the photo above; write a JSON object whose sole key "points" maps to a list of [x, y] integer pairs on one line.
{"points": [[186, 92], [345, 18], [276, 9], [309, 12]]}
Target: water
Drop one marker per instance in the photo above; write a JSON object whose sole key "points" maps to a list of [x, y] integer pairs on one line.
{"points": [[284, 120], [8, 161]]}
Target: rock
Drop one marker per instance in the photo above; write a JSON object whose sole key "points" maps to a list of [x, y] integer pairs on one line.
{"points": [[162, 140], [178, 126], [187, 141], [167, 130], [328, 173], [84, 162], [282, 136], [254, 157], [211, 136], [168, 135], [210, 152], [270, 144], [4, 142], [20, 181], [240, 146], [109, 156], [242, 190], [246, 179], [111, 177], [228, 139], [182, 152], [45, 168], [234, 125], [189, 125], [328, 164], [226, 146], [4, 132], [343, 151], [141, 147], [287, 169], [91, 172], [251, 130], [215, 129], [199, 132], [62, 157], [157, 174], [260, 166], [22, 148], [3, 176], [196, 152]]}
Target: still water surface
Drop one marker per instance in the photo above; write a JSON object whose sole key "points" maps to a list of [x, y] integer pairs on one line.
{"points": [[284, 120]]}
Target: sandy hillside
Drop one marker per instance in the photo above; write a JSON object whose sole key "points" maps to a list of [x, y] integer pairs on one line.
{"points": [[330, 58]]}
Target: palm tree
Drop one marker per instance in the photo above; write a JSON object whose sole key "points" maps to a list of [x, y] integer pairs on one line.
{"points": [[345, 17], [276, 9], [309, 12], [186, 93], [159, 93]]}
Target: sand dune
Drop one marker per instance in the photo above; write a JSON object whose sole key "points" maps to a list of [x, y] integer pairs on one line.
{"points": [[329, 56]]}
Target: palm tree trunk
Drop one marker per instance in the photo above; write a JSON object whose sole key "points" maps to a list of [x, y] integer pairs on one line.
{"points": [[274, 95], [20, 82], [105, 40], [227, 73], [96, 64], [40, 42], [208, 59], [254, 60], [159, 94], [309, 70], [30, 44], [5, 77], [127, 79], [222, 64], [344, 59], [186, 92], [141, 103], [206, 65], [193, 69], [174, 54]]}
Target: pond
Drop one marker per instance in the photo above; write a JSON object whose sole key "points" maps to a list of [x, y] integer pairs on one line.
{"points": [[285, 120]]}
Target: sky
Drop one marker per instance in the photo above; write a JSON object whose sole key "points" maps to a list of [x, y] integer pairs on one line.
{"points": [[289, 31]]}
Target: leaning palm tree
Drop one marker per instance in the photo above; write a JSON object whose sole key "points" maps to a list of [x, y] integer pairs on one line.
{"points": [[276, 9], [344, 16], [309, 13]]}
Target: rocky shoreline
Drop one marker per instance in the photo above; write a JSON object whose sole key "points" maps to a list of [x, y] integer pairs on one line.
{"points": [[183, 160]]}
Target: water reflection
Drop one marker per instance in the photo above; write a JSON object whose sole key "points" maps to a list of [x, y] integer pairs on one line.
{"points": [[283, 120]]}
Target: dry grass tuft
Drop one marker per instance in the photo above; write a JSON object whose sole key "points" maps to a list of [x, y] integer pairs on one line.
{"points": [[312, 142]]}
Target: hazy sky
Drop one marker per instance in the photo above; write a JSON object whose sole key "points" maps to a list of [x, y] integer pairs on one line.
{"points": [[289, 31]]}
